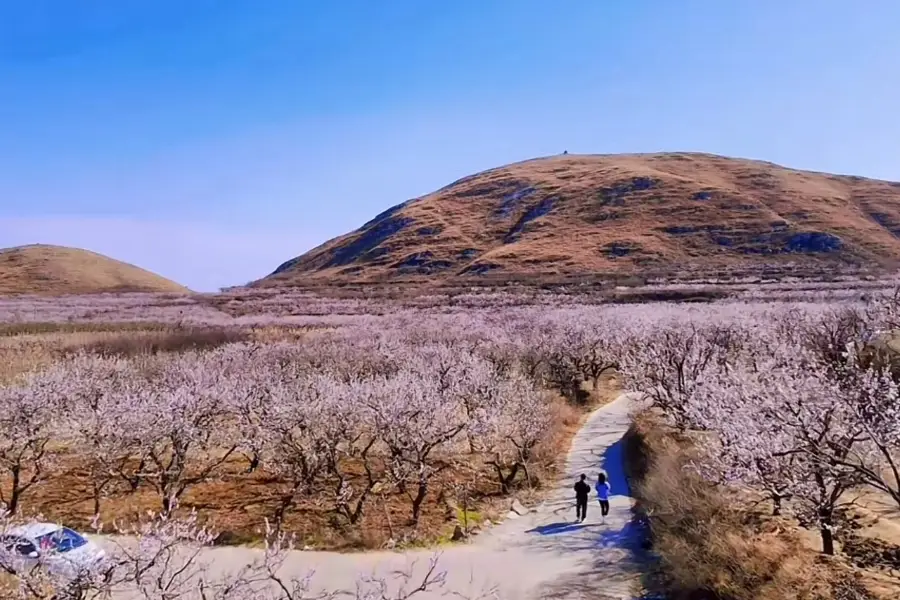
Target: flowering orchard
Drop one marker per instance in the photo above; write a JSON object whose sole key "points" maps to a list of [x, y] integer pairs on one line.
{"points": [[377, 415], [342, 307], [803, 407], [342, 429]]}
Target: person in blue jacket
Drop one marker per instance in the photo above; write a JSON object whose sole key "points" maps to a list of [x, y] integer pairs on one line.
{"points": [[603, 488]]}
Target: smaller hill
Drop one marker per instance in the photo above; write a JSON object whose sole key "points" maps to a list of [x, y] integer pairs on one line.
{"points": [[57, 270]]}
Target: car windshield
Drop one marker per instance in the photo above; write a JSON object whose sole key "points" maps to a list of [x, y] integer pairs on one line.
{"points": [[61, 540]]}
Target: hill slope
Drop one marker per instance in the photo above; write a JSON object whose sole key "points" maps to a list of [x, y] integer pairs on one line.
{"points": [[43, 269], [572, 216]]}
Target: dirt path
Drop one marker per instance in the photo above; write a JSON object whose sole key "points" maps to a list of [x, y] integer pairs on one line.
{"points": [[543, 554]]}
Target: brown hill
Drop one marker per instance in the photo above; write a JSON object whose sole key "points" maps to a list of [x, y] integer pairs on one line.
{"points": [[575, 217], [43, 269]]}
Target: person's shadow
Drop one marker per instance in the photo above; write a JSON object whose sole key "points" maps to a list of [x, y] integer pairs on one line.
{"points": [[557, 528]]}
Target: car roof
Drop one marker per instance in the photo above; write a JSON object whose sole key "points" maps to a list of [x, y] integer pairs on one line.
{"points": [[33, 530]]}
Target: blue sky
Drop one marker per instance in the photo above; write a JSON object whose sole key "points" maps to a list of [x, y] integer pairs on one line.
{"points": [[211, 140]]}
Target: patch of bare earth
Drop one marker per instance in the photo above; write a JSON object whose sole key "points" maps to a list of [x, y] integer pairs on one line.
{"points": [[870, 539]]}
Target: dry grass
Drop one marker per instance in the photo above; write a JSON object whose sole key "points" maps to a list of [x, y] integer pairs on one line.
{"points": [[54, 270], [77, 327], [174, 340], [21, 357], [710, 542], [40, 346], [270, 335], [579, 216]]}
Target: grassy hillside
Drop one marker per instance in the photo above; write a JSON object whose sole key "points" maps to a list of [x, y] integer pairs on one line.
{"points": [[588, 216], [43, 269]]}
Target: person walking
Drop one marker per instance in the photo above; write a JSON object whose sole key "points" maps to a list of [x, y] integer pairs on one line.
{"points": [[582, 490], [603, 488]]}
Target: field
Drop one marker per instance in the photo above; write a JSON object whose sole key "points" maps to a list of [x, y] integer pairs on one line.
{"points": [[370, 419]]}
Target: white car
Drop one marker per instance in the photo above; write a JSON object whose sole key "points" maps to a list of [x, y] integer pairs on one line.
{"points": [[61, 551]]}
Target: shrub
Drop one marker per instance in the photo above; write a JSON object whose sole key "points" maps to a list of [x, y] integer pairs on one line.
{"points": [[174, 340], [708, 547]]}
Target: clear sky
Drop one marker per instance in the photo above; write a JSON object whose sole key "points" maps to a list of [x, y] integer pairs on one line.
{"points": [[211, 140]]}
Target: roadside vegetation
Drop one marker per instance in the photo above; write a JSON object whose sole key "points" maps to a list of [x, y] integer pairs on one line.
{"points": [[763, 441]]}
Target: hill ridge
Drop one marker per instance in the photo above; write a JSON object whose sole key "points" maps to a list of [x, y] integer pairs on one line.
{"points": [[600, 215]]}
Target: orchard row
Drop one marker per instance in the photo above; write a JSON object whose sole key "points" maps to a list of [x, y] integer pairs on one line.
{"points": [[337, 415]]}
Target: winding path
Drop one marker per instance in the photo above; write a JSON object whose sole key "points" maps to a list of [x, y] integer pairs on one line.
{"points": [[543, 554]]}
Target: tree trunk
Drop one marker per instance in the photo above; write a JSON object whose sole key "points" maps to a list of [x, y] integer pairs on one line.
{"points": [[97, 492], [827, 540], [254, 463], [421, 492], [15, 492], [387, 517], [167, 504], [506, 480], [133, 479], [826, 528], [287, 500]]}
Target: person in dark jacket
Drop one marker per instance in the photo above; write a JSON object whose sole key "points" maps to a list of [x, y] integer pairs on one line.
{"points": [[582, 490]]}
